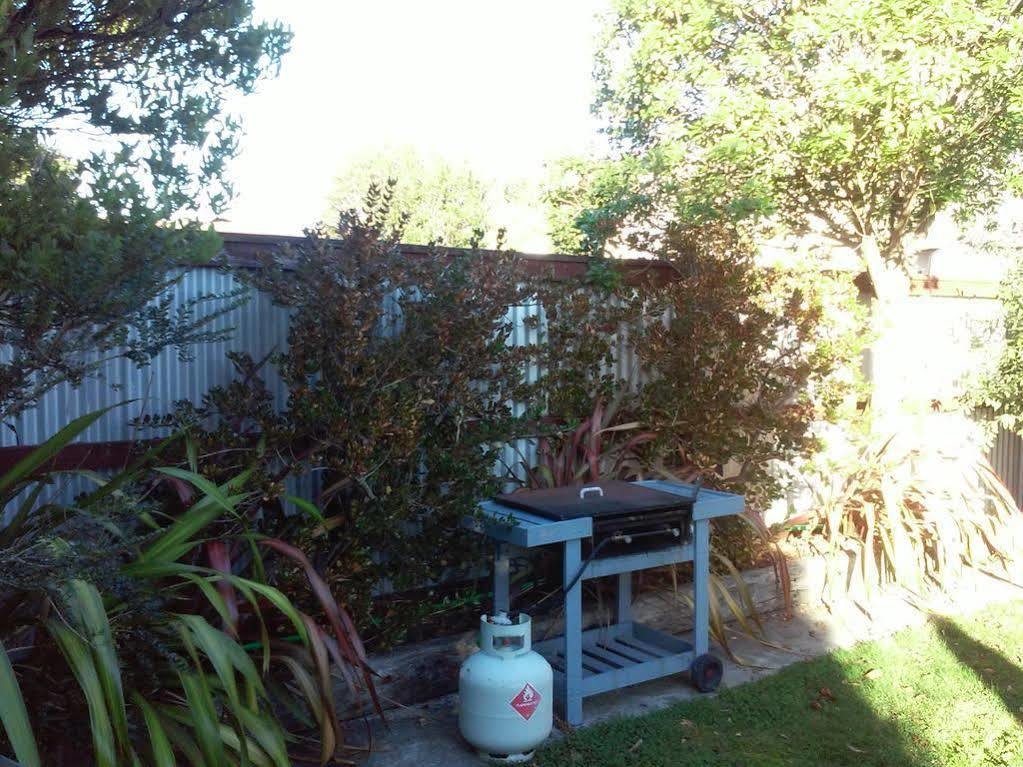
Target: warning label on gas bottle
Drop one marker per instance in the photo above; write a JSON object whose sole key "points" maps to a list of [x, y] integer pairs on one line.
{"points": [[526, 702]]}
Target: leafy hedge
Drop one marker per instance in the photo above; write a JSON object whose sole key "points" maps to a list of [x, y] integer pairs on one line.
{"points": [[407, 379], [999, 392]]}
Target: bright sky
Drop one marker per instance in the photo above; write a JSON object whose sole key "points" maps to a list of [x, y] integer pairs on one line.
{"points": [[503, 86]]}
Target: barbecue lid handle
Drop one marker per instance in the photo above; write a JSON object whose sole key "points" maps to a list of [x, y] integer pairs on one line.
{"points": [[589, 490]]}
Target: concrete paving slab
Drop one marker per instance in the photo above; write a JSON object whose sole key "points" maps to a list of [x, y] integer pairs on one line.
{"points": [[426, 735]]}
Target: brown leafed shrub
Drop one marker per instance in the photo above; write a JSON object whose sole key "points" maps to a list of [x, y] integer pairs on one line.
{"points": [[736, 363], [741, 361], [400, 372], [406, 379]]}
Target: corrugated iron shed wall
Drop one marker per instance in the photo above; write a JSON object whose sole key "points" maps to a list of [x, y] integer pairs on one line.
{"points": [[1006, 456], [259, 327]]}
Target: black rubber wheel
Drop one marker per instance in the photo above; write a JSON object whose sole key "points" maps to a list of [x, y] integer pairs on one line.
{"points": [[706, 672]]}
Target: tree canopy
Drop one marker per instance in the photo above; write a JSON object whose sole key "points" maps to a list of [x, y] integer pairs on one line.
{"points": [[433, 201], [147, 78], [859, 119], [86, 242]]}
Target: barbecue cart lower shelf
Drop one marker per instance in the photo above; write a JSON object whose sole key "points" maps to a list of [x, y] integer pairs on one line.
{"points": [[610, 657], [618, 656]]}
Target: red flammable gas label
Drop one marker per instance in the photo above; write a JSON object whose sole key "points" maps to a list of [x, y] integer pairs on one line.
{"points": [[526, 702]]}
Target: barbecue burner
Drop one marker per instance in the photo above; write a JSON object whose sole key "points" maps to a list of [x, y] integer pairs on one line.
{"points": [[624, 515]]}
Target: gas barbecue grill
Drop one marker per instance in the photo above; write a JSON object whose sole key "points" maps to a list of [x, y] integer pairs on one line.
{"points": [[626, 517], [625, 527]]}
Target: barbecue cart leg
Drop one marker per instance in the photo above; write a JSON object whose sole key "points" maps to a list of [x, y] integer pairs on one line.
{"points": [[573, 634], [624, 607], [502, 582], [701, 586]]}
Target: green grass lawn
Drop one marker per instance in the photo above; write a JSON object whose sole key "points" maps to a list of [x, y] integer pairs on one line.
{"points": [[949, 694]]}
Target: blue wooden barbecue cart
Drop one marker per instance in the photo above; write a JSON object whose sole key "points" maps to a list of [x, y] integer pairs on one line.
{"points": [[610, 657]]}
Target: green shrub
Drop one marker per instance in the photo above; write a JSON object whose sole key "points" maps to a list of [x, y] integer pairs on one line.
{"points": [[406, 383], [86, 242], [742, 361], [999, 392], [401, 375], [85, 282]]}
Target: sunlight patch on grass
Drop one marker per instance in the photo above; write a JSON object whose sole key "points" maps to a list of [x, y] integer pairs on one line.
{"points": [[948, 694]]}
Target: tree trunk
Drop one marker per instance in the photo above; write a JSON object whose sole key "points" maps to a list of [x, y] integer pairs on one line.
{"points": [[891, 293]]}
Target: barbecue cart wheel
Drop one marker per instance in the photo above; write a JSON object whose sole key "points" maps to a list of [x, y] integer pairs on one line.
{"points": [[706, 673]]}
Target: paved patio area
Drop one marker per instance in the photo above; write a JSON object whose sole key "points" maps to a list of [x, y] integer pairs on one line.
{"points": [[426, 735]]}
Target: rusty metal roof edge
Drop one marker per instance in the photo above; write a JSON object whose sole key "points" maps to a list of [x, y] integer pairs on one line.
{"points": [[241, 248], [235, 243]]}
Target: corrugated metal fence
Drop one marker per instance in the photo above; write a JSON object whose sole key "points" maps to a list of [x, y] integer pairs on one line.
{"points": [[258, 328], [1006, 456]]}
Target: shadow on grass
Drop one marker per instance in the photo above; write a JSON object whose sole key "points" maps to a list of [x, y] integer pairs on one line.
{"points": [[998, 673], [813, 714]]}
